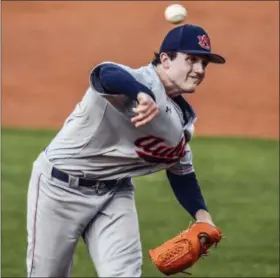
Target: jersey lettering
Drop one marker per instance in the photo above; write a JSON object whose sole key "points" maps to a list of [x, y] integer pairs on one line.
{"points": [[154, 150]]}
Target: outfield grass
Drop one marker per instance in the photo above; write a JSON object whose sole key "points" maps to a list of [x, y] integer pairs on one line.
{"points": [[239, 179]]}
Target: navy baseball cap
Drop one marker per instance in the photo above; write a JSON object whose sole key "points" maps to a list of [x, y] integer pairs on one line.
{"points": [[190, 39]]}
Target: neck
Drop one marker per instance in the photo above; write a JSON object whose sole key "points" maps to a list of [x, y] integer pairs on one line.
{"points": [[171, 89]]}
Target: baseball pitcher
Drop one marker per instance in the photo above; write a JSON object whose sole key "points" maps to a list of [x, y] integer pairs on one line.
{"points": [[130, 122]]}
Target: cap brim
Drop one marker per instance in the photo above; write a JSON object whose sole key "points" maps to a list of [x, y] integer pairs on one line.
{"points": [[213, 58]]}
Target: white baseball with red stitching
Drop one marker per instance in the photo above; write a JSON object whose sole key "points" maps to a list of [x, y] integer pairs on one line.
{"points": [[175, 13]]}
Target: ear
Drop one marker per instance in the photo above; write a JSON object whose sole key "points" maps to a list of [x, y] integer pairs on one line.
{"points": [[164, 59]]}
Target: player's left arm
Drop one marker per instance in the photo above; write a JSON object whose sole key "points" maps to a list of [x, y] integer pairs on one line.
{"points": [[185, 186]]}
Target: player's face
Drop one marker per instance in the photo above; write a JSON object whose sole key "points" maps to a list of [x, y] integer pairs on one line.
{"points": [[186, 71]]}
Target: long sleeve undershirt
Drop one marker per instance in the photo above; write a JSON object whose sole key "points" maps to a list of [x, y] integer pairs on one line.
{"points": [[187, 191], [116, 80]]}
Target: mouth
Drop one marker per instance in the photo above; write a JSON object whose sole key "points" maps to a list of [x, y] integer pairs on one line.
{"points": [[195, 79]]}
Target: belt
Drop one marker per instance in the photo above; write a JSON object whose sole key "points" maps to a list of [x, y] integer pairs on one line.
{"points": [[62, 176]]}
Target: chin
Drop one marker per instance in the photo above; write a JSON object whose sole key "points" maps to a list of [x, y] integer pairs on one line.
{"points": [[188, 87], [190, 90]]}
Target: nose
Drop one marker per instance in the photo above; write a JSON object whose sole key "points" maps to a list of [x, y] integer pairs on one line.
{"points": [[199, 68]]}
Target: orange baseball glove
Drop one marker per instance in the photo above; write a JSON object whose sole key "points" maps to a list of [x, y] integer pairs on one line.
{"points": [[182, 251]]}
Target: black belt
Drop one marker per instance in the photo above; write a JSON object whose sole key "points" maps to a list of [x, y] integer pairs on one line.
{"points": [[62, 176]]}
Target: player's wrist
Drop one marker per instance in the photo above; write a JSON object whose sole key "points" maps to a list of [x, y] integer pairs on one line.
{"points": [[143, 93], [204, 216]]}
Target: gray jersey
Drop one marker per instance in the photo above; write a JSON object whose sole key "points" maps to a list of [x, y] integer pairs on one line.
{"points": [[99, 141]]}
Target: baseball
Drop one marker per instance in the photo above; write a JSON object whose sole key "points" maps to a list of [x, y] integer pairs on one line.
{"points": [[175, 13]]}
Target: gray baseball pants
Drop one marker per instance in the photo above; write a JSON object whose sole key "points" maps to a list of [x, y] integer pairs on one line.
{"points": [[59, 213]]}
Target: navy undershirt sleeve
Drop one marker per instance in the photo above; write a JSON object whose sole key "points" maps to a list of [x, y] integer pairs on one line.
{"points": [[187, 191], [115, 80]]}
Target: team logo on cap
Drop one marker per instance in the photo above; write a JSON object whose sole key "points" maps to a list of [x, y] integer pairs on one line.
{"points": [[204, 42]]}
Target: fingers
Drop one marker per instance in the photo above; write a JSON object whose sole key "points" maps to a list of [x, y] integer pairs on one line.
{"points": [[142, 119], [146, 110], [144, 115]]}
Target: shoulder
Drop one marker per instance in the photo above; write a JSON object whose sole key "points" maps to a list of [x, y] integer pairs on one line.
{"points": [[111, 65], [140, 74], [107, 71]]}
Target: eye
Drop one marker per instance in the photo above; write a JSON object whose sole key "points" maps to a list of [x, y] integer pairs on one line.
{"points": [[196, 59], [192, 59]]}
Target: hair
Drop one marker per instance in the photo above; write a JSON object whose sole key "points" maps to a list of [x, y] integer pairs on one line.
{"points": [[156, 60]]}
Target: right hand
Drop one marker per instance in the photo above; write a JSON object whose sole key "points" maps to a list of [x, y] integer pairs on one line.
{"points": [[146, 110]]}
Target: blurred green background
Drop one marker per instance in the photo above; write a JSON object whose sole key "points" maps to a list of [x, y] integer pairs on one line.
{"points": [[239, 179]]}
